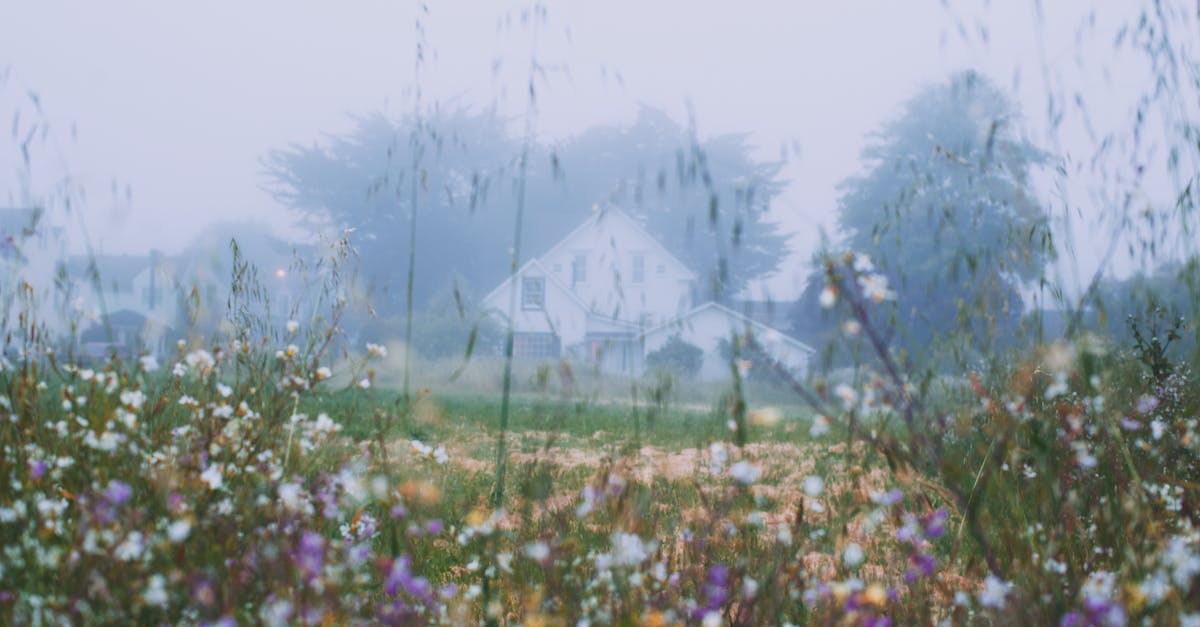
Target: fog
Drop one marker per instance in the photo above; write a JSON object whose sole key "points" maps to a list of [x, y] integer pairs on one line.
{"points": [[138, 126]]}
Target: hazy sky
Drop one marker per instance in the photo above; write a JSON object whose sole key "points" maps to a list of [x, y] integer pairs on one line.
{"points": [[178, 102]]}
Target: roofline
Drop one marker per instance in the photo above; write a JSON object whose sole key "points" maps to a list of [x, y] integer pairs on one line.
{"points": [[595, 217], [753, 324], [548, 275]]}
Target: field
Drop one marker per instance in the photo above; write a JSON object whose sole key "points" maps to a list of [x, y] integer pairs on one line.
{"points": [[242, 485]]}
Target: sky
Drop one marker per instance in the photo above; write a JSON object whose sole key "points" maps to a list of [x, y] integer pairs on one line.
{"points": [[162, 112]]}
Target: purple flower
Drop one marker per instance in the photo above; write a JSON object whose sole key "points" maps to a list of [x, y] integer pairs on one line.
{"points": [[37, 469], [310, 553], [401, 577], [117, 492], [434, 526], [936, 525]]}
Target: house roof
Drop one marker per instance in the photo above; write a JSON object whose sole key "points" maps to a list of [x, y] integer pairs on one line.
{"points": [[760, 329], [614, 211], [534, 263]]}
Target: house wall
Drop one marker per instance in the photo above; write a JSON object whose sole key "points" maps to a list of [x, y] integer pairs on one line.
{"points": [[609, 247], [706, 328], [561, 315]]}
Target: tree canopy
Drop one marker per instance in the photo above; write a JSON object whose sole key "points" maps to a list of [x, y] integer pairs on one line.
{"points": [[706, 201], [946, 210]]}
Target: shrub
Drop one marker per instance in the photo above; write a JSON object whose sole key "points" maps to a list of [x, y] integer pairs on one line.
{"points": [[677, 356]]}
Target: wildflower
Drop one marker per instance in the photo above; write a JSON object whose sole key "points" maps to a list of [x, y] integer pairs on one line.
{"points": [[292, 350], [364, 384], [155, 593], [717, 458], [149, 363], [853, 555], [828, 297], [293, 326], [814, 486], [744, 473], [132, 548], [1147, 403], [994, 592], [324, 373], [213, 477], [179, 531], [133, 398], [847, 395], [629, 550], [537, 551], [820, 426], [376, 350], [875, 287], [851, 327], [224, 390], [117, 492], [200, 360]]}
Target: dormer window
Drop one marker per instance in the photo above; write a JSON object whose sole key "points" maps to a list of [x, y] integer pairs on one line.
{"points": [[579, 269], [533, 293], [639, 268]]}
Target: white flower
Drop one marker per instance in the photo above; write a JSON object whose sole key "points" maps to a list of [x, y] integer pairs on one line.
{"points": [[853, 555], [292, 326], [820, 426], [132, 548], [537, 551], [133, 398], [994, 592], [156, 593], [149, 363], [847, 394], [717, 458], [364, 384], [212, 476], [324, 373], [814, 486], [629, 550], [862, 263], [201, 360], [291, 496], [376, 350], [875, 287], [224, 390], [744, 473], [179, 531], [828, 297]]}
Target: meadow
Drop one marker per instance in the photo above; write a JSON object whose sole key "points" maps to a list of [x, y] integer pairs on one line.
{"points": [[258, 480]]}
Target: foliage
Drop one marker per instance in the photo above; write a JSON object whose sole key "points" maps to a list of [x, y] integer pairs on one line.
{"points": [[707, 201], [677, 356], [947, 213]]}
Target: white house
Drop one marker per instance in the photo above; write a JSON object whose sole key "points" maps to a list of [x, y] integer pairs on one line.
{"points": [[609, 293]]}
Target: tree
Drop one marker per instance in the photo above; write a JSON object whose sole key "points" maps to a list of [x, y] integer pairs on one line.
{"points": [[706, 201], [946, 211]]}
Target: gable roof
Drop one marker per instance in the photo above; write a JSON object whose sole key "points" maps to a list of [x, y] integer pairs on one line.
{"points": [[536, 264], [760, 330], [613, 211]]}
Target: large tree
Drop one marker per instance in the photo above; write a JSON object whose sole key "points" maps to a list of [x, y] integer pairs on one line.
{"points": [[707, 200], [946, 210]]}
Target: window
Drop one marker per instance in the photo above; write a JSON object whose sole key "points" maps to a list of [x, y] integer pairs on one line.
{"points": [[639, 268], [579, 269], [533, 293], [535, 345]]}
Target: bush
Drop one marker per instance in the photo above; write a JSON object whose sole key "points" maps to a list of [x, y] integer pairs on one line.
{"points": [[677, 356]]}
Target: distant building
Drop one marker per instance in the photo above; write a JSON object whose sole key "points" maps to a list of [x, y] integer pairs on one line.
{"points": [[609, 294]]}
